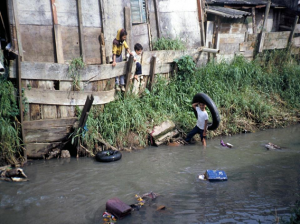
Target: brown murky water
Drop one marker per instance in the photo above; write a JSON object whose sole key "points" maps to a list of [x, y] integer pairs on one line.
{"points": [[75, 191]]}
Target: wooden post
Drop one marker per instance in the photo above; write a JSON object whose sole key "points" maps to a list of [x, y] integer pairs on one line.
{"points": [[152, 72], [157, 18], [253, 20], [263, 31], [19, 39], [127, 21], [293, 31], [80, 26], [87, 107], [57, 35], [102, 48], [148, 25], [128, 74], [201, 21], [19, 80]]}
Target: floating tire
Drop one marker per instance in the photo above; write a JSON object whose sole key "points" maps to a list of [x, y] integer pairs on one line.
{"points": [[203, 98], [108, 156]]}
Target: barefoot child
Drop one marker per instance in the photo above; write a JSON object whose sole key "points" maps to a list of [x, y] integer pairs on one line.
{"points": [[201, 126], [118, 44]]}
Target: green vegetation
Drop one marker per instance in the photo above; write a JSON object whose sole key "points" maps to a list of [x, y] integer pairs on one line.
{"points": [[74, 71], [10, 145], [168, 44], [250, 95]]}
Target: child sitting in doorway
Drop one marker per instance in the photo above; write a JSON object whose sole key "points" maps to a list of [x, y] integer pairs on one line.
{"points": [[201, 126], [137, 54]]}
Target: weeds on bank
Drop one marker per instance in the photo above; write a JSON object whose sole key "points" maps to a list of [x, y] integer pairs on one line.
{"points": [[10, 144], [248, 94], [168, 44], [74, 71]]}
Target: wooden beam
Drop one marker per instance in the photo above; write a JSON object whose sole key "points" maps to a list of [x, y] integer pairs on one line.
{"points": [[263, 31], [49, 123], [293, 30], [58, 44], [86, 109], [80, 29], [54, 71], [253, 20], [128, 24], [152, 72], [157, 18], [54, 12], [20, 96], [67, 98], [55, 134], [148, 25], [201, 21], [128, 74], [18, 31]]}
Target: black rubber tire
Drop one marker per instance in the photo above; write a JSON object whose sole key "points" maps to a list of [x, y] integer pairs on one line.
{"points": [[203, 98], [108, 156]]}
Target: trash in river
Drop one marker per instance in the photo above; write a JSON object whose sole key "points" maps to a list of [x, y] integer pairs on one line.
{"points": [[108, 218], [13, 174], [118, 208], [271, 146], [213, 175], [226, 145], [150, 195], [229, 145], [201, 177], [161, 207]]}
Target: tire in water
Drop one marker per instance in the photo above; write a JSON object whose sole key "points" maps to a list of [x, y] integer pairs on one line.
{"points": [[108, 156], [203, 98]]}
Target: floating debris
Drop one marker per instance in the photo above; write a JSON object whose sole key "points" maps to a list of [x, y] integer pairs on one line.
{"points": [[271, 146], [225, 145], [13, 174], [213, 175]]}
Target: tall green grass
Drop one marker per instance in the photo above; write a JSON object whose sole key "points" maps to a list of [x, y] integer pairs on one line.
{"points": [[248, 94], [168, 44]]}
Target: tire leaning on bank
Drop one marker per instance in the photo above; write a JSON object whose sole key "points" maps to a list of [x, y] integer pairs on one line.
{"points": [[203, 98], [108, 156]]}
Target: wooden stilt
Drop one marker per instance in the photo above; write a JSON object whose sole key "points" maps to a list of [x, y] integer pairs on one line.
{"points": [[128, 74], [157, 18], [152, 72], [263, 31], [80, 26]]}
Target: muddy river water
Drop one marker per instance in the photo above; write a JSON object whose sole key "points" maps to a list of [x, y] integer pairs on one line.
{"points": [[260, 183]]}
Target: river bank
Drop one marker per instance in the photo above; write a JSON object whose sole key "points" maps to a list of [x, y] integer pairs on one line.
{"points": [[250, 96]]}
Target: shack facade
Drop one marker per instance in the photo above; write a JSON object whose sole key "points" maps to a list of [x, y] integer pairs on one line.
{"points": [[48, 34]]}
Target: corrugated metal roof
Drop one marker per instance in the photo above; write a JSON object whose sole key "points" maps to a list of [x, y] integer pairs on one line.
{"points": [[240, 2], [227, 12]]}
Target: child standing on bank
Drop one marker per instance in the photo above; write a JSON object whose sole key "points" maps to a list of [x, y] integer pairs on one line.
{"points": [[201, 126], [137, 54], [117, 49]]}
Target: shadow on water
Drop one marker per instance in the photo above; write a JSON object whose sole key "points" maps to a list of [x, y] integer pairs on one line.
{"points": [[75, 191]]}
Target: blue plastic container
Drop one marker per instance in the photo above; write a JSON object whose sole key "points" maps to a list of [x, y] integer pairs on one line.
{"points": [[215, 175]]}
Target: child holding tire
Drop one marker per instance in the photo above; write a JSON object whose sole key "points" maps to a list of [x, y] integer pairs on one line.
{"points": [[201, 125]]}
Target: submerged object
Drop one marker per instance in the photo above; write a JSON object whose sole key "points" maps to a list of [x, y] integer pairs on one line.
{"points": [[215, 175], [271, 146], [229, 145], [16, 174], [203, 98], [118, 208], [108, 156]]}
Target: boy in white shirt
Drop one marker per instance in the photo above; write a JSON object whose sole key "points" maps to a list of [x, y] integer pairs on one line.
{"points": [[137, 54], [201, 126]]}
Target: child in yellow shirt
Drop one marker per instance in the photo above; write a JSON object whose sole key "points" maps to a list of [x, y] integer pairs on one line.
{"points": [[117, 49]]}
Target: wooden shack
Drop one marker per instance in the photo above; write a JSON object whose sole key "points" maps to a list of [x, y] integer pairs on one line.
{"points": [[47, 35]]}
